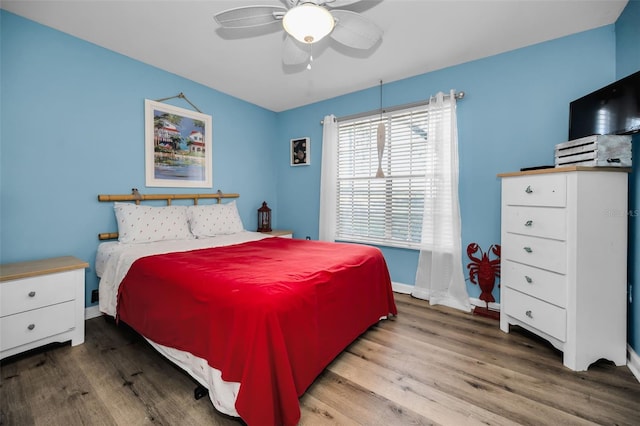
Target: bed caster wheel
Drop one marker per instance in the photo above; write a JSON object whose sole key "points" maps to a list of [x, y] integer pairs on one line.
{"points": [[200, 392]]}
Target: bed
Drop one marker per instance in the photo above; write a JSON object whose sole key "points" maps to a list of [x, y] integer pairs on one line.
{"points": [[253, 318]]}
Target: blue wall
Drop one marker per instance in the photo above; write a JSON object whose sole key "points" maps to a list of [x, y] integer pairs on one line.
{"points": [[628, 62], [515, 111], [72, 127]]}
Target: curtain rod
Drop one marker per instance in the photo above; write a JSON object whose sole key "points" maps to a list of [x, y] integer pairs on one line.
{"points": [[458, 95]]}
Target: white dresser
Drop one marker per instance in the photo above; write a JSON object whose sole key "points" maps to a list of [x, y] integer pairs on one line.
{"points": [[564, 260], [41, 302]]}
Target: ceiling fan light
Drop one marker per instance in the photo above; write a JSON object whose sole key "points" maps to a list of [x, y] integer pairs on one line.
{"points": [[308, 23]]}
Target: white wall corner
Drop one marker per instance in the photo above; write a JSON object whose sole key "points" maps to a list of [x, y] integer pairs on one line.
{"points": [[633, 362], [92, 312]]}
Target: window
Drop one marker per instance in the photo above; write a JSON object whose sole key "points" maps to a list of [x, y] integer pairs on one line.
{"points": [[386, 210]]}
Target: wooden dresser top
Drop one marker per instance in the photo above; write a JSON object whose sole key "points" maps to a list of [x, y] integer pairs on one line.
{"points": [[566, 169]]}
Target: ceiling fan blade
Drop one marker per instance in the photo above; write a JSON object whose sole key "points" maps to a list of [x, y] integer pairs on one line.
{"points": [[249, 16], [354, 30], [293, 53], [338, 3]]}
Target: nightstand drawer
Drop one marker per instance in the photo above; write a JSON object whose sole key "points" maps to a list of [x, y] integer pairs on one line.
{"points": [[37, 324], [540, 315], [534, 251], [536, 282], [32, 293], [547, 222], [549, 190]]}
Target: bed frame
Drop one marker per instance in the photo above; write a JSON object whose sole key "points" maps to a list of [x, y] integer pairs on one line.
{"points": [[168, 198]]}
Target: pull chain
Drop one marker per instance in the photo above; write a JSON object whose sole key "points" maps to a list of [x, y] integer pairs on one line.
{"points": [[380, 100], [310, 56]]}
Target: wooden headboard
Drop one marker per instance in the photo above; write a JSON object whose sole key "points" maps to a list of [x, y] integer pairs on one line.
{"points": [[137, 198]]}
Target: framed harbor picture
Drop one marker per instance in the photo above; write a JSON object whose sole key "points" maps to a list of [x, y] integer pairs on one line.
{"points": [[178, 145], [300, 152]]}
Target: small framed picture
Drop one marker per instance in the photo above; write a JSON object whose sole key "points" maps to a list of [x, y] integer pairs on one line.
{"points": [[300, 152]]}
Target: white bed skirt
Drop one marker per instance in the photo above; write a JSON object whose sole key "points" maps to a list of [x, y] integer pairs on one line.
{"points": [[222, 394]]}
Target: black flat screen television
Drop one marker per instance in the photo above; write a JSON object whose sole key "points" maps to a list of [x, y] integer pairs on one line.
{"points": [[612, 110]]}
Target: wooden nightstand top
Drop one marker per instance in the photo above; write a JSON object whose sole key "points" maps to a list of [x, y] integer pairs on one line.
{"points": [[280, 232], [34, 268]]}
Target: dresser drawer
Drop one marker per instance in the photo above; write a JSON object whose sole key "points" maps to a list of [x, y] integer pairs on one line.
{"points": [[548, 190], [539, 252], [540, 315], [32, 293], [547, 222], [536, 282], [37, 324]]}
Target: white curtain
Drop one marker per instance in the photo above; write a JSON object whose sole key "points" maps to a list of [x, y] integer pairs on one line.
{"points": [[439, 277], [328, 179]]}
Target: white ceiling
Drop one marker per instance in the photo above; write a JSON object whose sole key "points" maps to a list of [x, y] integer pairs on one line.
{"points": [[180, 36]]}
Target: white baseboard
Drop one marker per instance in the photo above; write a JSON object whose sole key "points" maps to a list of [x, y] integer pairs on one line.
{"points": [[633, 362], [401, 288], [481, 303], [92, 312]]}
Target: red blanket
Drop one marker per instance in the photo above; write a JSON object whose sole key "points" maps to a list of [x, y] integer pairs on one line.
{"points": [[269, 314]]}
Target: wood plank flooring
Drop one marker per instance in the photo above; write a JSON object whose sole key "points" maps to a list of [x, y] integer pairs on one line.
{"points": [[429, 365]]}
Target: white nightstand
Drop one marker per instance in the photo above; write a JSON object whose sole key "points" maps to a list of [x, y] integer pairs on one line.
{"points": [[41, 302]]}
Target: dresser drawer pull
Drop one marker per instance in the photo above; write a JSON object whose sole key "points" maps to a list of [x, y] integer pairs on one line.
{"points": [[528, 190], [528, 249], [528, 278], [31, 326], [32, 294], [529, 314], [528, 223]]}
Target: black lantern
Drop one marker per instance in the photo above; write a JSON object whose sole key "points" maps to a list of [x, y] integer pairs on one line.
{"points": [[264, 218]]}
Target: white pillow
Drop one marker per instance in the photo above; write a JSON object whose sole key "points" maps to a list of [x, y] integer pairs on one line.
{"points": [[214, 219], [144, 224]]}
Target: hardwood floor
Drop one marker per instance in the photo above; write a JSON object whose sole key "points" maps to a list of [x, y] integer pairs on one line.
{"points": [[429, 365]]}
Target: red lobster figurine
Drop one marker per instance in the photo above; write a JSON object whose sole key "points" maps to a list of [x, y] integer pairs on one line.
{"points": [[484, 269]]}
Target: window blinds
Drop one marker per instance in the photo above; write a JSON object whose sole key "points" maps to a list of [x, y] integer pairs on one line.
{"points": [[385, 211]]}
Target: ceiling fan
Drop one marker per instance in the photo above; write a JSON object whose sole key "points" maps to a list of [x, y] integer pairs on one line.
{"points": [[306, 22]]}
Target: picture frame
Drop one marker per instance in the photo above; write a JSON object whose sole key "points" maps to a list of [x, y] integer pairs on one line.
{"points": [[178, 145], [300, 152]]}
